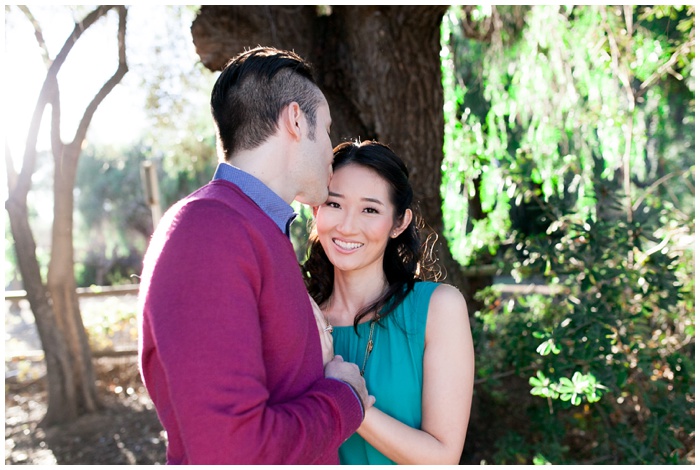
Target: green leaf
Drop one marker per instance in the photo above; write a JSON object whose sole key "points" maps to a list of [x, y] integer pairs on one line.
{"points": [[544, 348]]}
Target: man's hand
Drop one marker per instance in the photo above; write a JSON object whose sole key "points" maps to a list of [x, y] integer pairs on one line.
{"points": [[350, 373]]}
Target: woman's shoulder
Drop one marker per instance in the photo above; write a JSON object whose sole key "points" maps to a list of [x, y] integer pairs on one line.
{"points": [[447, 310], [447, 294], [438, 292]]}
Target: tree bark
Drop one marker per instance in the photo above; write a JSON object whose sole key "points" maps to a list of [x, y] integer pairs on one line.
{"points": [[70, 374], [379, 67]]}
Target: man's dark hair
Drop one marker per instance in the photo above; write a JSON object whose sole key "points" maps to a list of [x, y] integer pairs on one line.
{"points": [[252, 90]]}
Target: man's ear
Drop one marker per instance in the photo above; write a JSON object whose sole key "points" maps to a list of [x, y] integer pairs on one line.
{"points": [[290, 120]]}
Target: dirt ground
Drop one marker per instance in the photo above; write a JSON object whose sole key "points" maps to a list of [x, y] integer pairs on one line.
{"points": [[125, 432]]}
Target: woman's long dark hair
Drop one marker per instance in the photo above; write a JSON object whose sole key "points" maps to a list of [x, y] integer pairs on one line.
{"points": [[406, 260]]}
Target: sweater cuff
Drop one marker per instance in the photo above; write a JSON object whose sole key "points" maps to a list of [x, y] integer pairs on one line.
{"points": [[357, 395], [347, 399]]}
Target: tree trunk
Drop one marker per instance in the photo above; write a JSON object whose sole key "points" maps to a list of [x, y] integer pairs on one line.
{"points": [[70, 375], [379, 67], [61, 281], [62, 405]]}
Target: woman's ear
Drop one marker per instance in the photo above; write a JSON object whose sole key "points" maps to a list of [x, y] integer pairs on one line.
{"points": [[402, 224], [315, 210]]}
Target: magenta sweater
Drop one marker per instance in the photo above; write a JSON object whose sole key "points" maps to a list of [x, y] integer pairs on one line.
{"points": [[229, 346]]}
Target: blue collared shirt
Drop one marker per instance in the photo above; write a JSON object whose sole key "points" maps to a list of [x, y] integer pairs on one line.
{"points": [[274, 206]]}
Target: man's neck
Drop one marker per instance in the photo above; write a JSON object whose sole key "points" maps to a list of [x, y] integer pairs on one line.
{"points": [[268, 163]]}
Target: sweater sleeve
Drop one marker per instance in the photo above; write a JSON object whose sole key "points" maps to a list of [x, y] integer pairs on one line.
{"points": [[202, 305]]}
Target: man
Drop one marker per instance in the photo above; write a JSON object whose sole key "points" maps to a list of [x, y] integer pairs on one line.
{"points": [[229, 345]]}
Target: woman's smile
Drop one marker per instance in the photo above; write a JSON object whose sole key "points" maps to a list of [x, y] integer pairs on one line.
{"points": [[347, 245]]}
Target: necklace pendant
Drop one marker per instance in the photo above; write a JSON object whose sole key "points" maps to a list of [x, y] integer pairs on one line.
{"points": [[368, 349]]}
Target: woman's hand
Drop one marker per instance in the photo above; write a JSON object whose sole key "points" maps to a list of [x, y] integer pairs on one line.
{"points": [[324, 331]]}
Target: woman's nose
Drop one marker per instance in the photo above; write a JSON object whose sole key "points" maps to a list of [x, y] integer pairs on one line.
{"points": [[347, 223]]}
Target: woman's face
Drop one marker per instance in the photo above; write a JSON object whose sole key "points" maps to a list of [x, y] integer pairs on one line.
{"points": [[355, 223]]}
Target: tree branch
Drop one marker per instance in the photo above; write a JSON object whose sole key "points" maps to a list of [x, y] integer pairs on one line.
{"points": [[10, 167], [654, 185], [48, 89], [667, 67], [56, 142], [109, 85], [38, 34]]}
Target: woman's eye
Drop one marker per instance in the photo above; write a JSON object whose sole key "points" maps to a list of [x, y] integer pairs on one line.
{"points": [[333, 204], [371, 210]]}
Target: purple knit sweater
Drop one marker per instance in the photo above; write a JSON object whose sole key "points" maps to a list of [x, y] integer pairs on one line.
{"points": [[229, 346]]}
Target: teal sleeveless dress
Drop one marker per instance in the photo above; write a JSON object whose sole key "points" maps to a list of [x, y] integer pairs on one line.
{"points": [[394, 370]]}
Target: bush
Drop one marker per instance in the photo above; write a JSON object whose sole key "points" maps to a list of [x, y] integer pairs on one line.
{"points": [[610, 352]]}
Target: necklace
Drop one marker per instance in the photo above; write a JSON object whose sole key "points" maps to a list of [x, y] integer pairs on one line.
{"points": [[370, 342], [370, 346]]}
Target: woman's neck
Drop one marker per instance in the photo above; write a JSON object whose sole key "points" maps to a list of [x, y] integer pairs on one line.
{"points": [[352, 292]]}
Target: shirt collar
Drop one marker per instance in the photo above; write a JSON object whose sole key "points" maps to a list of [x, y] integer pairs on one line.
{"points": [[274, 206]]}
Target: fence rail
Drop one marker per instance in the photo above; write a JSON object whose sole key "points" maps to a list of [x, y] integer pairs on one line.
{"points": [[35, 355], [94, 291], [133, 289]]}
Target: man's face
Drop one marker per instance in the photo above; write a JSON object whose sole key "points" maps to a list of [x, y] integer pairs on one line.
{"points": [[315, 164]]}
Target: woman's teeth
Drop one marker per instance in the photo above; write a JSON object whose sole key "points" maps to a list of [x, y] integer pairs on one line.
{"points": [[347, 245]]}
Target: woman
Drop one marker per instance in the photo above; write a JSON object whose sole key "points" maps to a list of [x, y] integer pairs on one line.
{"points": [[410, 338]]}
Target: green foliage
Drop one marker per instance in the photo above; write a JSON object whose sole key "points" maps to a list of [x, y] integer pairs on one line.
{"points": [[617, 336], [467, 159], [572, 129], [300, 229], [573, 389], [113, 221]]}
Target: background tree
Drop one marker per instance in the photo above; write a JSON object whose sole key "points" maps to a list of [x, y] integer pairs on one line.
{"points": [[379, 68], [71, 382]]}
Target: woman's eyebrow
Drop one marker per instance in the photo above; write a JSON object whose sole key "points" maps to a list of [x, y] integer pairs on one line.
{"points": [[366, 199], [371, 199]]}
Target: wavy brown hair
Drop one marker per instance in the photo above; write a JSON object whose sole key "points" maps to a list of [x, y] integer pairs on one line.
{"points": [[406, 259]]}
